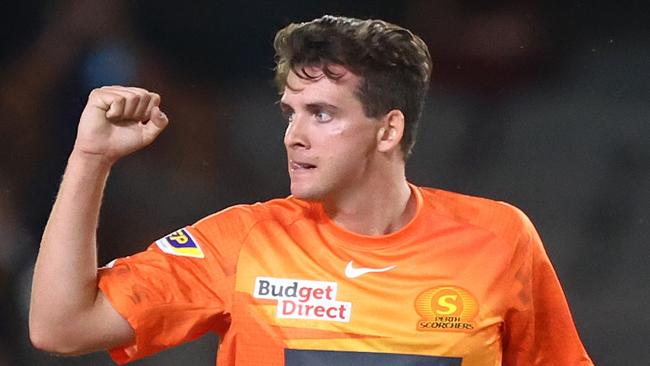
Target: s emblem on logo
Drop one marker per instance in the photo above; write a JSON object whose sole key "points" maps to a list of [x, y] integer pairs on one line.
{"points": [[446, 308]]}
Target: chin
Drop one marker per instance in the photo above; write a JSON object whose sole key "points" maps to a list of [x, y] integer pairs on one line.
{"points": [[306, 193]]}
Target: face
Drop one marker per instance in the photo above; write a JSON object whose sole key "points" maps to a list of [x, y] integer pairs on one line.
{"points": [[330, 142]]}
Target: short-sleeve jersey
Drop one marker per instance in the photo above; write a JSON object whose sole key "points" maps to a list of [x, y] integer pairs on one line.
{"points": [[466, 282]]}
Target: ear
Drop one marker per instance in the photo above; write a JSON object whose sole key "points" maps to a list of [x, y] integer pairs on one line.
{"points": [[391, 131]]}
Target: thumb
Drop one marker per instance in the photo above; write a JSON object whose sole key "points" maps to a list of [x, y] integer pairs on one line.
{"points": [[157, 122]]}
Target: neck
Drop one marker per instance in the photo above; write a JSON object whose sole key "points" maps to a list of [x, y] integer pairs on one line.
{"points": [[377, 209]]}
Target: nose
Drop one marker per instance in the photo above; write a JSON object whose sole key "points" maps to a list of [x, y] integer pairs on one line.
{"points": [[295, 137]]}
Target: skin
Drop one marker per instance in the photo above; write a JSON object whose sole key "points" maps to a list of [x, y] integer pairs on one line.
{"points": [[352, 163], [68, 314], [336, 155]]}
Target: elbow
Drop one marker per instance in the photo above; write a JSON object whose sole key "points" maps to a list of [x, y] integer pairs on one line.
{"points": [[50, 339], [41, 341]]}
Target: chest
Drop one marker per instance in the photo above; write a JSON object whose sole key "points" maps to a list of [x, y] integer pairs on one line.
{"points": [[438, 296]]}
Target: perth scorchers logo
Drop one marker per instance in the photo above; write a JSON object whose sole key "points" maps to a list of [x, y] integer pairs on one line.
{"points": [[446, 308], [303, 299]]}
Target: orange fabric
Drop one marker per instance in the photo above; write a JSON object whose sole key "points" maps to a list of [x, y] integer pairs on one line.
{"points": [[467, 278]]}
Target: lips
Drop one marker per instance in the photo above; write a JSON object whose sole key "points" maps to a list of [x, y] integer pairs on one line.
{"points": [[299, 165]]}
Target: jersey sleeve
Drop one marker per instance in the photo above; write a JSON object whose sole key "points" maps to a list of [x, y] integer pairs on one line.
{"points": [[178, 289], [539, 329]]}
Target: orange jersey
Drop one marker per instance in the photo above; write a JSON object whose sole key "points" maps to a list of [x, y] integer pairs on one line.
{"points": [[466, 282]]}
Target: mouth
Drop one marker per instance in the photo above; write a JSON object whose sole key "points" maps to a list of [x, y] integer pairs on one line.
{"points": [[300, 166]]}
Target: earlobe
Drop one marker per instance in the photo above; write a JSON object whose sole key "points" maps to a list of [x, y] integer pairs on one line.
{"points": [[391, 132]]}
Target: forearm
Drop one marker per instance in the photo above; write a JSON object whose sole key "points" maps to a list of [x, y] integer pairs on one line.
{"points": [[68, 314], [65, 276]]}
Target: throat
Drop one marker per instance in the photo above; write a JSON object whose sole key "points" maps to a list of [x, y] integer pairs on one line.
{"points": [[380, 216]]}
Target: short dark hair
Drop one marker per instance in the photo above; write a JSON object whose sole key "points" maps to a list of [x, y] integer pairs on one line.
{"points": [[393, 64]]}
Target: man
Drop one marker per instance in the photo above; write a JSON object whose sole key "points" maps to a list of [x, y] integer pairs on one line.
{"points": [[356, 267]]}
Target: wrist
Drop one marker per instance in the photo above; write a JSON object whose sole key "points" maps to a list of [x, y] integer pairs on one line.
{"points": [[90, 160]]}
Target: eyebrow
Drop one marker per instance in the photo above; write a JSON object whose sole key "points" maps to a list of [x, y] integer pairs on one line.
{"points": [[320, 106], [310, 106], [284, 106]]}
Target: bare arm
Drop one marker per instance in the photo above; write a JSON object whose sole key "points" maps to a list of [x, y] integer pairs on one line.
{"points": [[68, 314]]}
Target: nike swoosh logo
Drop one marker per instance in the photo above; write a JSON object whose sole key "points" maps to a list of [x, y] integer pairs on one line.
{"points": [[351, 272]]}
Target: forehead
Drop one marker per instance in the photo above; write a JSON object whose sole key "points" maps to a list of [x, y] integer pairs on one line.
{"points": [[319, 86]]}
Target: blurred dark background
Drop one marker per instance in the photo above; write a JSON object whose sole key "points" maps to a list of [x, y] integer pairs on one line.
{"points": [[544, 104]]}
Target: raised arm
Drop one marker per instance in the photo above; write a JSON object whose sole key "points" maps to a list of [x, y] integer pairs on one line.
{"points": [[68, 314]]}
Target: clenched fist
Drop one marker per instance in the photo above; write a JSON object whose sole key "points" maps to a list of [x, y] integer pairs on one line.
{"points": [[117, 121]]}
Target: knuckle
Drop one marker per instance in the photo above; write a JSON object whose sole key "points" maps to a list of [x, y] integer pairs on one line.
{"points": [[137, 90]]}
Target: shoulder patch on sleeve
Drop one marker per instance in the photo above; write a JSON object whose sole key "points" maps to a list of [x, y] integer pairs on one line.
{"points": [[181, 243], [109, 264]]}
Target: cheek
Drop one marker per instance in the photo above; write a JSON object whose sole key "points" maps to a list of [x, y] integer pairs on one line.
{"points": [[337, 131], [351, 134], [347, 143], [344, 153]]}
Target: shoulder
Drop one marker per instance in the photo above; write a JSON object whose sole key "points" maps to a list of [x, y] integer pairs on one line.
{"points": [[243, 217], [515, 235], [501, 218]]}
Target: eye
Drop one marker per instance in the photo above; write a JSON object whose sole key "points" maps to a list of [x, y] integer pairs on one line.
{"points": [[288, 116], [323, 116]]}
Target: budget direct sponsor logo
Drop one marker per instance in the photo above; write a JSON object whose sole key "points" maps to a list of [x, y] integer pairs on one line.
{"points": [[303, 299], [446, 308]]}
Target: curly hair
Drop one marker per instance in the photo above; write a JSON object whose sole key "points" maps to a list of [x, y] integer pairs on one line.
{"points": [[393, 64]]}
